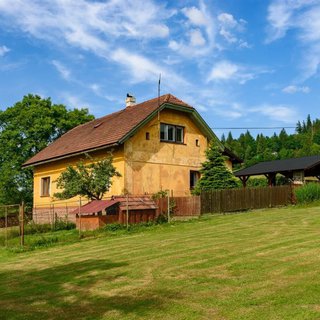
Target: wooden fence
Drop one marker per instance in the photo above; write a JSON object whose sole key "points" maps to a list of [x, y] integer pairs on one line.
{"points": [[181, 206], [245, 199]]}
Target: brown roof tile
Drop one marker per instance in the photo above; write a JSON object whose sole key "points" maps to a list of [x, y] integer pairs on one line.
{"points": [[101, 132], [134, 203]]}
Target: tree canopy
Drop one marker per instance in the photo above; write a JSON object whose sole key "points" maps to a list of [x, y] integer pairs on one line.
{"points": [[304, 142], [91, 180], [214, 173], [25, 129]]}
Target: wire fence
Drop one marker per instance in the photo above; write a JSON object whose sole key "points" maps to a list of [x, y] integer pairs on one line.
{"points": [[16, 221]]}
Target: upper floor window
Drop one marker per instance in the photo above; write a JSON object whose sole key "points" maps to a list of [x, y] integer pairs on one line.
{"points": [[172, 133], [45, 187]]}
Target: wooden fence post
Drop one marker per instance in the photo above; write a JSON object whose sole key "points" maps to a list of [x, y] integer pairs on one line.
{"points": [[22, 224], [127, 211], [168, 211], [6, 225], [80, 217]]}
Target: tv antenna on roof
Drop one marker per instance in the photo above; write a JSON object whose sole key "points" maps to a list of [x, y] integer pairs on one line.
{"points": [[159, 84]]}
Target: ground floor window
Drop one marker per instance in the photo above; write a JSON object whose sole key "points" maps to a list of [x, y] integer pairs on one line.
{"points": [[194, 177], [45, 187]]}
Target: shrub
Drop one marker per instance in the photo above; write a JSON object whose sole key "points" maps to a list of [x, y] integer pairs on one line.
{"points": [[44, 242], [162, 218], [308, 193], [60, 224], [114, 227], [257, 182], [33, 228]]}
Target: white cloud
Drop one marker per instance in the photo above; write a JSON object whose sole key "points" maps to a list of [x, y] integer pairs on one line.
{"points": [[143, 69], [232, 110], [198, 38], [223, 70], [283, 113], [229, 28], [3, 50], [294, 89], [95, 88], [196, 16], [88, 25], [303, 17], [99, 27], [226, 70], [63, 70], [73, 101]]}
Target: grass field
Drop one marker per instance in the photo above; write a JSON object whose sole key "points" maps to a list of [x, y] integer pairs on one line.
{"points": [[257, 265]]}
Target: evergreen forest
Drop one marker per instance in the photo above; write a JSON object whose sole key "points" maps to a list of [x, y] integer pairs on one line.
{"points": [[304, 142]]}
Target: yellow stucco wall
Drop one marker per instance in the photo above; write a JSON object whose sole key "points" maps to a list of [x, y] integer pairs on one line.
{"points": [[54, 169], [152, 165], [146, 166]]}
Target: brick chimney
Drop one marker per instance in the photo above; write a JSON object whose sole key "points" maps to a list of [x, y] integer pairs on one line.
{"points": [[130, 100]]}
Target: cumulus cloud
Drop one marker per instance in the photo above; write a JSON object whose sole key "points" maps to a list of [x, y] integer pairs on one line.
{"points": [[3, 50], [302, 16], [196, 16], [229, 71], [294, 89], [199, 37]]}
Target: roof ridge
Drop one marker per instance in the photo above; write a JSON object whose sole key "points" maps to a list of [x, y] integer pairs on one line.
{"points": [[114, 127]]}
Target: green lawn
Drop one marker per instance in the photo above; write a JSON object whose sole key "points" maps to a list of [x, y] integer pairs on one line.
{"points": [[257, 265]]}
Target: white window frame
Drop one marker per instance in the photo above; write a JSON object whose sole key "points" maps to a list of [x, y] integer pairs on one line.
{"points": [[164, 128]]}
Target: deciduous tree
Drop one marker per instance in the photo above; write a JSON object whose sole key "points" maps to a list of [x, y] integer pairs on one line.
{"points": [[26, 128], [90, 180]]}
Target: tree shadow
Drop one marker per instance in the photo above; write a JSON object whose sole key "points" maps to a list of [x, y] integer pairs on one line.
{"points": [[74, 291]]}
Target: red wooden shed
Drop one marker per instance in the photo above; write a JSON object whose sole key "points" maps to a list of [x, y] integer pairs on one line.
{"points": [[98, 213]]}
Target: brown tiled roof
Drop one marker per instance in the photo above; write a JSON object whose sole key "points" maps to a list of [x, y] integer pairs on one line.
{"points": [[95, 206], [105, 131], [134, 203]]}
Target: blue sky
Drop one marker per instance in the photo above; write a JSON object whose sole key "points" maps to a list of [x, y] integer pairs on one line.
{"points": [[240, 63]]}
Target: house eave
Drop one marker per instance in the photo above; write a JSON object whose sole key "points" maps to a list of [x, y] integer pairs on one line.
{"points": [[69, 155], [206, 130]]}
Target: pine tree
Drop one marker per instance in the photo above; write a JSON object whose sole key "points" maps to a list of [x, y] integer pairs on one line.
{"points": [[298, 127], [214, 173], [309, 123], [229, 138]]}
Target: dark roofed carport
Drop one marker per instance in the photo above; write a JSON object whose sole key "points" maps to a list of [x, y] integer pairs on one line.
{"points": [[310, 166]]}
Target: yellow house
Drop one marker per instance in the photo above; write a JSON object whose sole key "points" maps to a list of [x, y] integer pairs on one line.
{"points": [[157, 145]]}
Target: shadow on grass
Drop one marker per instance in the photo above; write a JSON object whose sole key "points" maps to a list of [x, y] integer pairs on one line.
{"points": [[76, 290]]}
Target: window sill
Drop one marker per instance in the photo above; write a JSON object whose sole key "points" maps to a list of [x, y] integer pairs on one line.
{"points": [[45, 196], [173, 142]]}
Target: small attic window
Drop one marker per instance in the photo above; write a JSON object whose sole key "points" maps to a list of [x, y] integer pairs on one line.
{"points": [[197, 143], [97, 125], [147, 135]]}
